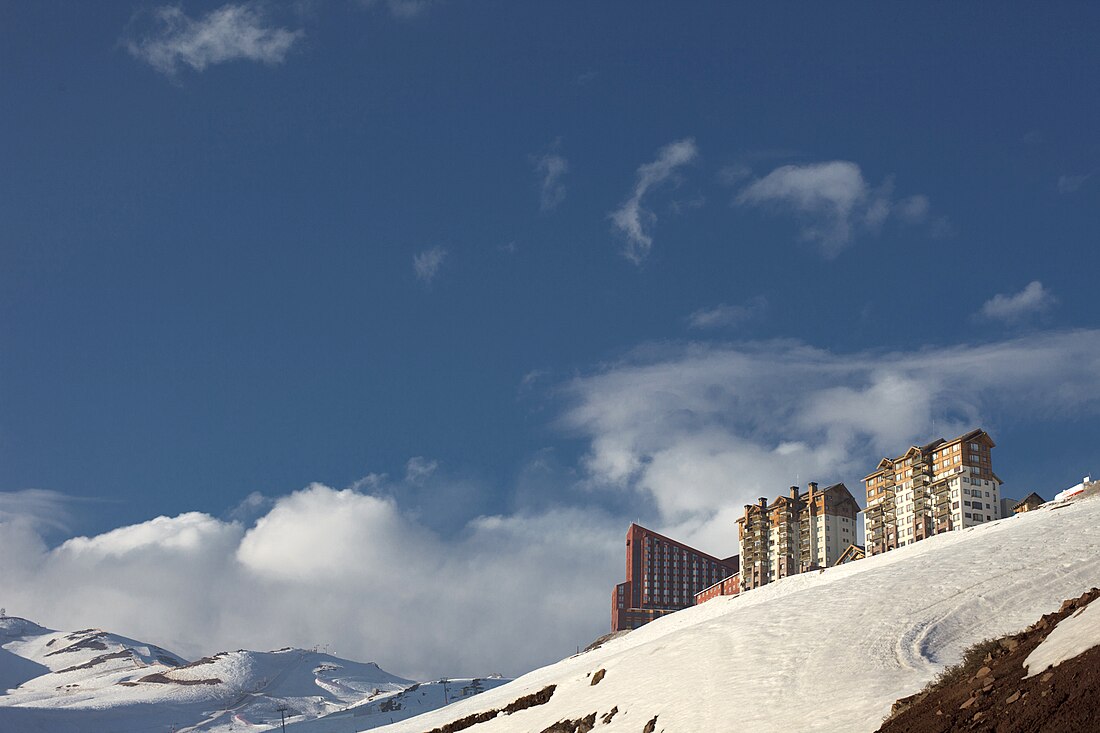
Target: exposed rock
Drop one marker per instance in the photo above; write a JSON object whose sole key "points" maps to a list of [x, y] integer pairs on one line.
{"points": [[580, 725], [98, 660], [609, 715], [160, 678], [995, 696], [650, 726], [527, 701], [598, 676]]}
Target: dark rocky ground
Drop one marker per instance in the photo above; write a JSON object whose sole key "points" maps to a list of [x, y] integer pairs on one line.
{"points": [[987, 690]]}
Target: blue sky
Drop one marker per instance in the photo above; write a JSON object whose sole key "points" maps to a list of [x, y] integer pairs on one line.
{"points": [[524, 263]]}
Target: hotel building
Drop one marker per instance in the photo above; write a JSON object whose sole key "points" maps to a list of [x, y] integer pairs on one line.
{"points": [[939, 487], [795, 533], [662, 576]]}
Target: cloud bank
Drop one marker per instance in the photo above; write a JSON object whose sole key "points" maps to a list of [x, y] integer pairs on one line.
{"points": [[679, 435], [634, 221], [701, 430], [229, 33], [328, 566]]}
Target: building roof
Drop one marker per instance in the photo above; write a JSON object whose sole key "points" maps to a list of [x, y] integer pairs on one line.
{"points": [[851, 552], [681, 545], [1030, 498], [975, 433]]}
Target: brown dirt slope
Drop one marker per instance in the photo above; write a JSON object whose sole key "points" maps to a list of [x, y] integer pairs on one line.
{"points": [[988, 692]]}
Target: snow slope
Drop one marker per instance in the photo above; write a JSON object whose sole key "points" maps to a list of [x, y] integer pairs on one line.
{"points": [[93, 681], [825, 651], [408, 703]]}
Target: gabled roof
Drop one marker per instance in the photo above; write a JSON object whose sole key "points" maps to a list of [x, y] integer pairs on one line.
{"points": [[976, 434], [933, 445], [1030, 498], [912, 449], [852, 552], [883, 464], [845, 495]]}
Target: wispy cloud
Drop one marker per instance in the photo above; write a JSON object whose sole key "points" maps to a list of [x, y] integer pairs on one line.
{"points": [[1072, 183], [419, 469], [1033, 300], [41, 508], [426, 264], [833, 201], [726, 316], [731, 175], [401, 8], [634, 221], [700, 430], [551, 168], [229, 33]]}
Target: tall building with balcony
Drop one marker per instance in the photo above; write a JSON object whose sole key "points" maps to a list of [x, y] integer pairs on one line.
{"points": [[795, 533], [662, 576], [939, 487]]}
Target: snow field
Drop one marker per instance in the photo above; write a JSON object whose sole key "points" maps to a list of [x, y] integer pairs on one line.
{"points": [[823, 651]]}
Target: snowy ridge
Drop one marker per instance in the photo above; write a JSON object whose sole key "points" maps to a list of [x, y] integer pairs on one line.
{"points": [[93, 681], [824, 651]]}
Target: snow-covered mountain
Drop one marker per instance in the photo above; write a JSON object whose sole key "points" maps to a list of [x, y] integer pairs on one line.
{"points": [[824, 651], [95, 681]]}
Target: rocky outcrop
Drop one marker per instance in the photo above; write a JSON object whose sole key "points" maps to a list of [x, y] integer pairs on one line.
{"points": [[988, 690]]}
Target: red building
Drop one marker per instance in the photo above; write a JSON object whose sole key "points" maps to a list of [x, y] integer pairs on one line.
{"points": [[662, 576], [731, 586]]}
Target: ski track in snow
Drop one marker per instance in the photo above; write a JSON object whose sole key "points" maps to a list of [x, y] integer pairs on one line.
{"points": [[823, 651]]}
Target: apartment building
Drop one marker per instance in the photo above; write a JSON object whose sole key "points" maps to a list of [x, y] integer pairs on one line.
{"points": [[662, 576], [795, 533], [939, 487]]}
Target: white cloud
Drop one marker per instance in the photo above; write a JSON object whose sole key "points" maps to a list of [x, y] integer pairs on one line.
{"points": [[228, 33], [701, 430], [833, 200], [419, 469], [402, 8], [39, 508], [725, 316], [632, 219], [1034, 299], [687, 433], [332, 567], [550, 168], [1072, 183], [426, 264]]}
